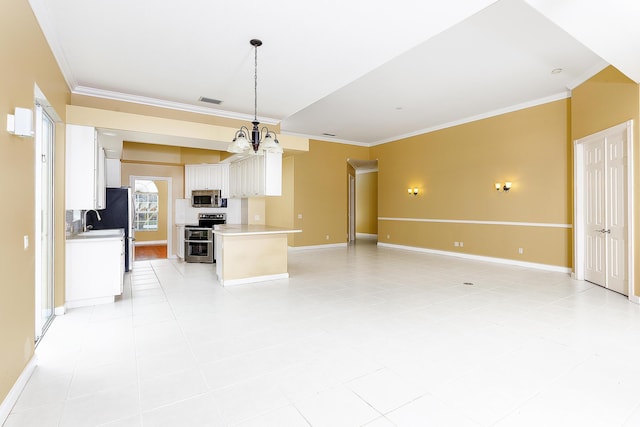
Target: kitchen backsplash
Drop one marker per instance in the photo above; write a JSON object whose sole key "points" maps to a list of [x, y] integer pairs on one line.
{"points": [[73, 222]]}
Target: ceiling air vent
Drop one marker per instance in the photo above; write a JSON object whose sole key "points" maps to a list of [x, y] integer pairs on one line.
{"points": [[210, 100]]}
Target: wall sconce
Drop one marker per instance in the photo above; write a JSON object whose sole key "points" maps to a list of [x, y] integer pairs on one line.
{"points": [[506, 187], [21, 122], [412, 191]]}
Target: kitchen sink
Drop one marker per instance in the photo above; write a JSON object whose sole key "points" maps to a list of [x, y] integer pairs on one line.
{"points": [[102, 233]]}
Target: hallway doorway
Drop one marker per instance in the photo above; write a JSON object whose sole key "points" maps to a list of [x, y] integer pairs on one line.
{"points": [[362, 210]]}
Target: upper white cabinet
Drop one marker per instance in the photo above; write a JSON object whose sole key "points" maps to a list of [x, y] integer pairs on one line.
{"points": [[113, 170], [256, 176], [206, 177], [85, 169]]}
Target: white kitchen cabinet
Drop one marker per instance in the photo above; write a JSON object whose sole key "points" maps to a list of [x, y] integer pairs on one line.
{"points": [[256, 176], [94, 270], [180, 248], [206, 177], [113, 172], [85, 169]]}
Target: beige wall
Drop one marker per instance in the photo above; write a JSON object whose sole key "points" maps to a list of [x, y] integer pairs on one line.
{"points": [[608, 99], [321, 192], [26, 60], [455, 170], [367, 203], [279, 210]]}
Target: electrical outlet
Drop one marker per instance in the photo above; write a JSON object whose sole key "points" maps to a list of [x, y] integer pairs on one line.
{"points": [[388, 236], [256, 217], [461, 244], [299, 216], [520, 251], [456, 244], [327, 237], [25, 242]]}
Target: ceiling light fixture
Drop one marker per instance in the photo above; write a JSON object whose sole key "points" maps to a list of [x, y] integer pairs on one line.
{"points": [[240, 143]]}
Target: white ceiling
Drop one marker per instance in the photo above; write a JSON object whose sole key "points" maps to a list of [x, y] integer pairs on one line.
{"points": [[366, 71]]}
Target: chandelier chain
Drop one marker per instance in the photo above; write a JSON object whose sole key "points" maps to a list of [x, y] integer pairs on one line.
{"points": [[255, 84]]}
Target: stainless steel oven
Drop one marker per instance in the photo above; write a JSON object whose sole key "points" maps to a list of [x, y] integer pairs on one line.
{"points": [[198, 239], [198, 244]]}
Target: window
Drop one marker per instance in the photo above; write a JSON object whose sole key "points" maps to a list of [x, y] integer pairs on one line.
{"points": [[146, 199]]}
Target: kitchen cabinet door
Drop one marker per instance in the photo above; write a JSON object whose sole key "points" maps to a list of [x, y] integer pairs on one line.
{"points": [[234, 180], [206, 177], [84, 168], [272, 174], [256, 176], [94, 271]]}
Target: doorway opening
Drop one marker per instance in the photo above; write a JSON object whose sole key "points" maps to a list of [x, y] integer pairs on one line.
{"points": [[362, 215], [152, 217], [603, 209]]}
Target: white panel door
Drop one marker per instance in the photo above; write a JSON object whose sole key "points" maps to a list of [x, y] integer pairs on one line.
{"points": [[594, 212], [616, 213], [605, 209]]}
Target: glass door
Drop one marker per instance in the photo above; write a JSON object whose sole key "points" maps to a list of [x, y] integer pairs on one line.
{"points": [[44, 290]]}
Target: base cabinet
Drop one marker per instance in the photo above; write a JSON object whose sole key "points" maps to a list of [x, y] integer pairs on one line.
{"points": [[94, 271], [180, 248]]}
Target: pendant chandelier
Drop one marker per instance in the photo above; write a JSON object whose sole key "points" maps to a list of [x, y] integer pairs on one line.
{"points": [[261, 139]]}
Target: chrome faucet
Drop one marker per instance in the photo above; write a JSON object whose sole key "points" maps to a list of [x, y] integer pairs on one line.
{"points": [[85, 227]]}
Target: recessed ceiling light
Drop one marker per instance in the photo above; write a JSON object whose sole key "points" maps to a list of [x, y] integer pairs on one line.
{"points": [[209, 100], [556, 71]]}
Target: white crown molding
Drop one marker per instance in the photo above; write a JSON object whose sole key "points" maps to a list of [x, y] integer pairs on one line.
{"points": [[41, 11], [587, 74], [325, 138], [363, 171], [154, 102], [511, 109]]}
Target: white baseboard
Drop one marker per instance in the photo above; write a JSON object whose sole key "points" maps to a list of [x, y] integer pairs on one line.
{"points": [[546, 267], [60, 311], [150, 243], [254, 279], [304, 248], [90, 301], [366, 236], [11, 399]]}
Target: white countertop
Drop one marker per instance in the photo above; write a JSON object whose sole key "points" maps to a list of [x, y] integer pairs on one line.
{"points": [[250, 229], [114, 233]]}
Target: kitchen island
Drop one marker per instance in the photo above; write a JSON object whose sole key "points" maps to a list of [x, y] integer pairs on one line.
{"points": [[251, 253]]}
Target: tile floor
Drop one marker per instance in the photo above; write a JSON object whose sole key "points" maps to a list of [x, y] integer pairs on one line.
{"points": [[357, 336]]}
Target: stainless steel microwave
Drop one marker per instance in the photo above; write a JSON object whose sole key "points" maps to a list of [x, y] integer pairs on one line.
{"points": [[206, 199]]}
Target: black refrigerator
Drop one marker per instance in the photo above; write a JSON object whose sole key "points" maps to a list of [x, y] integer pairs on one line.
{"points": [[117, 214]]}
